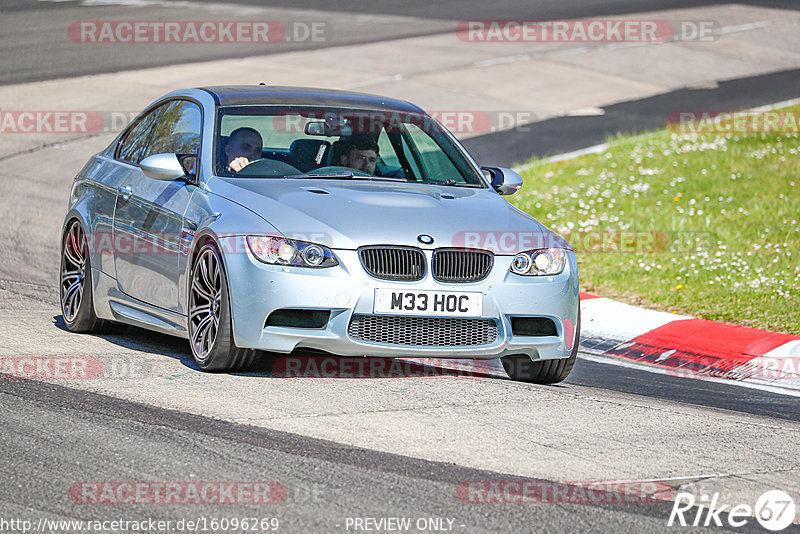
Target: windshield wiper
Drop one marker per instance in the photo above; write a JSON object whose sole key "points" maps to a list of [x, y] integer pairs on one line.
{"points": [[312, 175], [346, 175], [449, 182]]}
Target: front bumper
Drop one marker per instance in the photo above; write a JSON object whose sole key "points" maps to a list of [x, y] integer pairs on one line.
{"points": [[257, 289]]}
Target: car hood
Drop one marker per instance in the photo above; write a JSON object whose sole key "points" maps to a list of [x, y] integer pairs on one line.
{"points": [[347, 214]]}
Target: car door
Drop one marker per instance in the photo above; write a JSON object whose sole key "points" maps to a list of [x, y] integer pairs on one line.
{"points": [[149, 214]]}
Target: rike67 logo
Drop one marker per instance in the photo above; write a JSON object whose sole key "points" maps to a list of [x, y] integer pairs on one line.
{"points": [[774, 510]]}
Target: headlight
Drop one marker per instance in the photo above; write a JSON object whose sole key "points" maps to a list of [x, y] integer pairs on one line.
{"points": [[541, 262], [282, 251]]}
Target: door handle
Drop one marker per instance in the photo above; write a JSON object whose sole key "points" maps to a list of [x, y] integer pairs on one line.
{"points": [[125, 192]]}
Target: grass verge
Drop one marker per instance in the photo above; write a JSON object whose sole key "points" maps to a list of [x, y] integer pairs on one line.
{"points": [[701, 224]]}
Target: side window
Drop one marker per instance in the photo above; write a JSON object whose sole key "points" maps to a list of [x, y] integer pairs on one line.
{"points": [[410, 158], [178, 130], [435, 162], [132, 148], [387, 150]]}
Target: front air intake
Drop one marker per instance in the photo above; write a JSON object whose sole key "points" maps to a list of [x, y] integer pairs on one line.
{"points": [[298, 318], [533, 326]]}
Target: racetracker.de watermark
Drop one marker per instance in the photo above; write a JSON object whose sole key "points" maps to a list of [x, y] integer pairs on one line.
{"points": [[156, 243], [500, 242], [360, 367], [209, 492], [734, 122], [774, 369], [51, 368], [51, 122], [34, 121], [74, 368], [587, 31], [194, 524], [457, 121], [548, 492], [589, 241], [198, 32]]}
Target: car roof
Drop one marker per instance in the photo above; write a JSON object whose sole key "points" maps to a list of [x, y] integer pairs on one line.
{"points": [[253, 95]]}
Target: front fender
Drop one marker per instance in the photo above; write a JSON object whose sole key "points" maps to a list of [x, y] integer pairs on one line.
{"points": [[216, 218]]}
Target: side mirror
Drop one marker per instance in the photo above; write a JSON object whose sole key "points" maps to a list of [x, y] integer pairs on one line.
{"points": [[504, 181], [165, 167]]}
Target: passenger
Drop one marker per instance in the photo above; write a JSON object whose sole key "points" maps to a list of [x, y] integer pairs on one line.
{"points": [[360, 152]]}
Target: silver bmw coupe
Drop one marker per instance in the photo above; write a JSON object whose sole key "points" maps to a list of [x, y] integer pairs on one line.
{"points": [[256, 221]]}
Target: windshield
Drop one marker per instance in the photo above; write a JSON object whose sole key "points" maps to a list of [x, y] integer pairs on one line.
{"points": [[326, 143]]}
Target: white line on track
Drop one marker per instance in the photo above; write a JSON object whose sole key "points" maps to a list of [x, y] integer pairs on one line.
{"points": [[610, 360]]}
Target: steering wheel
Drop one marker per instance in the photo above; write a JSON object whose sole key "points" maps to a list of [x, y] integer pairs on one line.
{"points": [[338, 169], [267, 167]]}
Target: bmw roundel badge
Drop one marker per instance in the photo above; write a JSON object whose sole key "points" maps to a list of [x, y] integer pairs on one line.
{"points": [[425, 239]]}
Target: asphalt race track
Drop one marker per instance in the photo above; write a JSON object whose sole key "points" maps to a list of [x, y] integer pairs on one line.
{"points": [[339, 449], [567, 134], [32, 48], [326, 482]]}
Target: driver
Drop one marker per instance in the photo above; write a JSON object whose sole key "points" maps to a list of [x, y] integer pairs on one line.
{"points": [[244, 145], [360, 152]]}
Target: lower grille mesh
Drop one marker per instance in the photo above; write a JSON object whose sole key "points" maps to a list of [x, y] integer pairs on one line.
{"points": [[423, 331]]}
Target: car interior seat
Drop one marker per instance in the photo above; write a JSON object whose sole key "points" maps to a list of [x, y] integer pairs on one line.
{"points": [[336, 152], [308, 154]]}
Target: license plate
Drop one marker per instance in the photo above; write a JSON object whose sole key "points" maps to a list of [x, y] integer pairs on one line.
{"points": [[441, 303]]}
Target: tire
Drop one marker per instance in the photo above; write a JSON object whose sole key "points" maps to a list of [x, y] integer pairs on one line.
{"points": [[209, 321], [75, 287], [523, 369]]}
